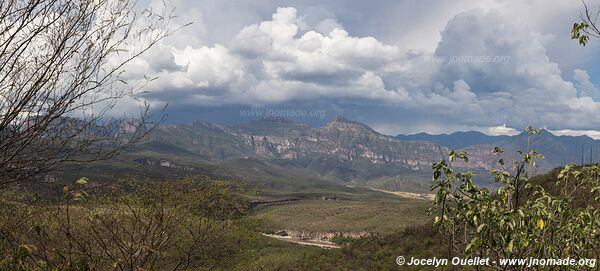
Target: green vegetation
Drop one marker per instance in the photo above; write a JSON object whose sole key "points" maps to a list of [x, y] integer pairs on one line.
{"points": [[408, 183], [189, 224], [344, 216], [210, 223], [587, 26], [183, 225], [520, 219], [342, 240], [376, 252], [203, 194]]}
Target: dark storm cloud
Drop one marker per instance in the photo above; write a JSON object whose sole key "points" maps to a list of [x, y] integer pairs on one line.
{"points": [[387, 62]]}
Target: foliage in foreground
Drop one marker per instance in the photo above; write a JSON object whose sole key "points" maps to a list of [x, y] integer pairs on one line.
{"points": [[377, 252], [519, 219], [177, 225], [153, 226]]}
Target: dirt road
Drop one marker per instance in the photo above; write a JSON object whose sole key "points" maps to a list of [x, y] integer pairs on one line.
{"points": [[304, 242]]}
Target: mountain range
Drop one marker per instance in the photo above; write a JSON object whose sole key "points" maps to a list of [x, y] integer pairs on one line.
{"points": [[341, 151], [345, 151], [558, 150], [456, 140]]}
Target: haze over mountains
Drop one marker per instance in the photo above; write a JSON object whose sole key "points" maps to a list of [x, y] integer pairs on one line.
{"points": [[345, 151], [456, 140], [558, 150]]}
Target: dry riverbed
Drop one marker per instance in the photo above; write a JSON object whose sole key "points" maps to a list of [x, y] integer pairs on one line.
{"points": [[307, 242], [408, 195]]}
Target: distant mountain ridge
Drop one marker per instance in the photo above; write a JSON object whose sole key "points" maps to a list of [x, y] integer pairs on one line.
{"points": [[558, 150], [340, 139], [347, 151], [456, 140]]}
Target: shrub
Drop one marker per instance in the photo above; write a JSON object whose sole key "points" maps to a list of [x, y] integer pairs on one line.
{"points": [[155, 226], [503, 223]]}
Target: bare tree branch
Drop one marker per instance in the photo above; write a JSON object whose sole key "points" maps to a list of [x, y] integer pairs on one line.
{"points": [[588, 25], [61, 74]]}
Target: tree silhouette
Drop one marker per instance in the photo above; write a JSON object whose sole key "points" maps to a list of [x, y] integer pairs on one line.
{"points": [[62, 65]]}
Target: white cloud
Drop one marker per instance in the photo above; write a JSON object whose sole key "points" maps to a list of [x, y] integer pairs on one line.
{"points": [[585, 87], [591, 133], [501, 130], [528, 89], [304, 57], [211, 66], [313, 65]]}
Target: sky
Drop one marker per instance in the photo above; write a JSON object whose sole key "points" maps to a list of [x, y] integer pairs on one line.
{"points": [[399, 66]]}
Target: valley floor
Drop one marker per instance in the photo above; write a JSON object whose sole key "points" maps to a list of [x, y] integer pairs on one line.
{"points": [[329, 222]]}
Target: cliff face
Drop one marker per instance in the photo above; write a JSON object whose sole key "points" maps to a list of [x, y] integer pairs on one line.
{"points": [[344, 141], [347, 150]]}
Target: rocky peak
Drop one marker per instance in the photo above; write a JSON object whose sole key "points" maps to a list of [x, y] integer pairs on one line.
{"points": [[345, 125]]}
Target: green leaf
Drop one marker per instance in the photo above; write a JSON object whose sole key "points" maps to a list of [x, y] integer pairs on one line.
{"points": [[82, 181], [532, 131], [436, 175], [463, 155], [480, 228]]}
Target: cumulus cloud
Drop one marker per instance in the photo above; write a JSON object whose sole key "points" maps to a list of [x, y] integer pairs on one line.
{"points": [[501, 130], [273, 62], [487, 70], [585, 87], [527, 89]]}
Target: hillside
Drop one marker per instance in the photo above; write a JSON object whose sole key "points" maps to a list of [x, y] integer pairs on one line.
{"points": [[342, 151], [558, 150]]}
